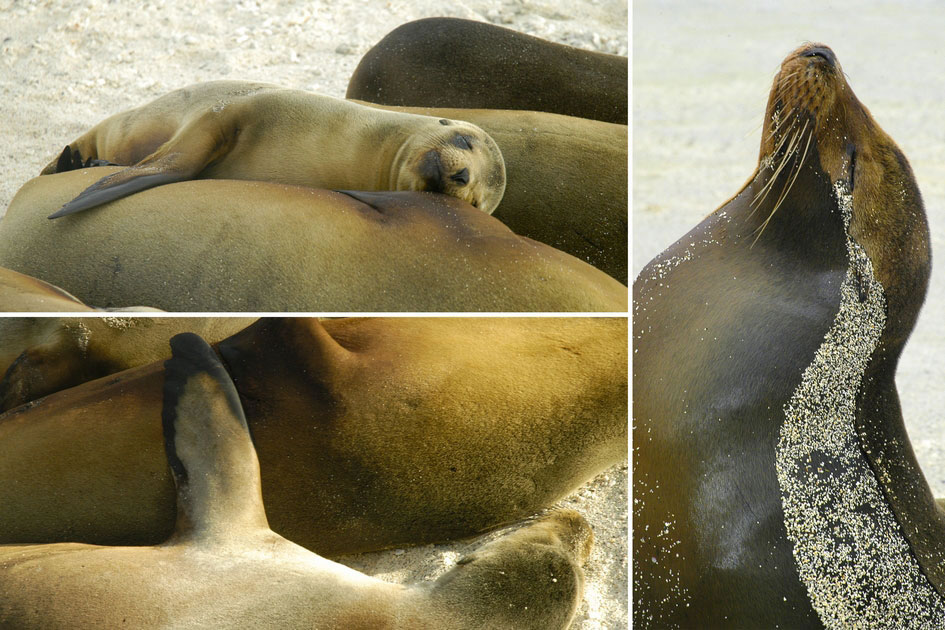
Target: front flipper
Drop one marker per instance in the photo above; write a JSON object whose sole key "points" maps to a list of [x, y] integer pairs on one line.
{"points": [[192, 148], [115, 186], [209, 449]]}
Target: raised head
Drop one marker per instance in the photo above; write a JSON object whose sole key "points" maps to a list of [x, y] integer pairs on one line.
{"points": [[814, 120]]}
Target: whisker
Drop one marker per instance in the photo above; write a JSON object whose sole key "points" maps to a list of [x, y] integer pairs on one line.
{"points": [[777, 128], [787, 188], [787, 155]]}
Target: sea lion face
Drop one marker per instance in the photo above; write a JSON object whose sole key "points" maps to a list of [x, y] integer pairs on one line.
{"points": [[813, 112], [458, 159]]}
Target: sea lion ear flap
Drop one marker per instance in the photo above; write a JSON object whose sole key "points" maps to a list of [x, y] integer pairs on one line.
{"points": [[209, 448]]}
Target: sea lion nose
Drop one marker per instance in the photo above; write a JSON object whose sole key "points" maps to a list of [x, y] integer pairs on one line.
{"points": [[823, 52], [461, 177]]}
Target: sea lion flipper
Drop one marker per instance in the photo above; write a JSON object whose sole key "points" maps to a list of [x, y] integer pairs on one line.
{"points": [[208, 446], [192, 148], [115, 186]]}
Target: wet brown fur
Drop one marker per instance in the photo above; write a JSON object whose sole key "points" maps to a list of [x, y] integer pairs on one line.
{"points": [[725, 321]]}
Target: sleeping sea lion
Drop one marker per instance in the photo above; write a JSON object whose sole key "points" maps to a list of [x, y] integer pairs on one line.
{"points": [[774, 483], [224, 567], [449, 62], [215, 245], [372, 433], [566, 180], [257, 131]]}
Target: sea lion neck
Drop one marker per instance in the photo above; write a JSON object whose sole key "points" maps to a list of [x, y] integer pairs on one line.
{"points": [[274, 357], [791, 209]]}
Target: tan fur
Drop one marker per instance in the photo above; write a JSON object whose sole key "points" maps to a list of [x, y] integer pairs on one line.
{"points": [[261, 580], [371, 432], [256, 131], [217, 245], [567, 180], [20, 293], [224, 567], [39, 356]]}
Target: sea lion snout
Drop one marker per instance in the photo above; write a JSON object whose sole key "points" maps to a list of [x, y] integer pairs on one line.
{"points": [[821, 51], [435, 174], [431, 171], [461, 176]]}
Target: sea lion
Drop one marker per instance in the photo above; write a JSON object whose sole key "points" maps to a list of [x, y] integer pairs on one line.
{"points": [[257, 131], [566, 180], [20, 293], [215, 245], [372, 433], [774, 483], [42, 355], [224, 567], [449, 62]]}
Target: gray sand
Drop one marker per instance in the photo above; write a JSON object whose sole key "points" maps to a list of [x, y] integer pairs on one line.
{"points": [[701, 77], [65, 65]]}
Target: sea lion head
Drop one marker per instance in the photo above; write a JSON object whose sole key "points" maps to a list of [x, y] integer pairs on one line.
{"points": [[456, 158], [813, 114]]}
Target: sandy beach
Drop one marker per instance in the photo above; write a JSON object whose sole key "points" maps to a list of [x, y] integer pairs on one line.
{"points": [[66, 65], [701, 76]]}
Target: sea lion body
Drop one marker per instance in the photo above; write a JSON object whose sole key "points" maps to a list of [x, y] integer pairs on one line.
{"points": [[566, 180], [372, 433], [214, 245], [224, 567], [530, 579], [256, 131], [734, 326], [42, 355], [449, 62], [20, 293]]}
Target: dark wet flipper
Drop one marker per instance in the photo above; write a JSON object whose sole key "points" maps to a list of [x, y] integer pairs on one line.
{"points": [[66, 160], [183, 157], [71, 160], [115, 186]]}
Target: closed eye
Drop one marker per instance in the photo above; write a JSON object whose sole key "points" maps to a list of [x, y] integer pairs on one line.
{"points": [[462, 142]]}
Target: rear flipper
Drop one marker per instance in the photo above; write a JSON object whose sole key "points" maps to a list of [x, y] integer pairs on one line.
{"points": [[71, 160], [529, 579], [192, 148]]}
